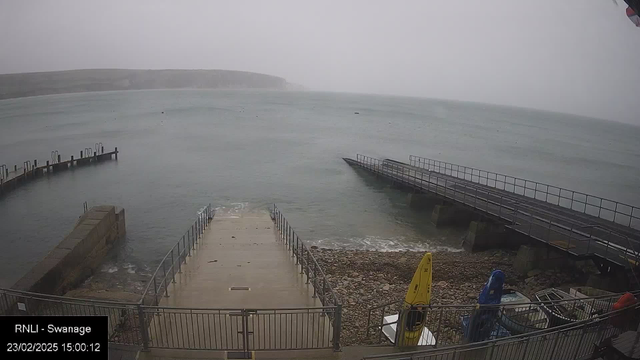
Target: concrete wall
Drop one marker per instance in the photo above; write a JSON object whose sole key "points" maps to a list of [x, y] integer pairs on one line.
{"points": [[78, 256]]}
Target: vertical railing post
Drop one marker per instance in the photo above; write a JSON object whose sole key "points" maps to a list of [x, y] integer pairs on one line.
{"points": [[323, 299], [173, 268], [315, 280], [166, 288], [307, 264], [492, 348], [337, 327], [301, 259], [180, 257], [584, 330], [144, 330], [189, 242], [555, 344], [155, 291], [439, 323]]}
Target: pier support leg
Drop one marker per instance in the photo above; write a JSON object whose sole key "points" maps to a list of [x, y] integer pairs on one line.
{"points": [[484, 235], [534, 257], [422, 201], [528, 258], [444, 215]]}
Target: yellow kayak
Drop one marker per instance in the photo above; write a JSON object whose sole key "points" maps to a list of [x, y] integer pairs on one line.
{"points": [[412, 317]]}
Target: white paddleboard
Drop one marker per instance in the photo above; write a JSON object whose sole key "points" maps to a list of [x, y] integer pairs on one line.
{"points": [[389, 330]]}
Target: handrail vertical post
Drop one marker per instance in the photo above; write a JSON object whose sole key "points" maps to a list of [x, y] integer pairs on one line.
{"points": [[173, 268], [307, 264], [142, 324], [301, 252], [166, 289], [179, 258], [315, 282], [189, 242], [337, 327], [155, 291]]}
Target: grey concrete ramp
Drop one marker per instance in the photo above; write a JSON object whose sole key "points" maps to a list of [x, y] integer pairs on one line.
{"points": [[240, 264], [240, 290]]}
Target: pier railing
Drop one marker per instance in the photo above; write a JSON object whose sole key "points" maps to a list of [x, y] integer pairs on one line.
{"points": [[243, 330], [615, 211], [449, 325], [577, 236], [124, 318], [304, 257], [314, 274], [171, 264], [145, 323], [11, 178], [566, 342]]}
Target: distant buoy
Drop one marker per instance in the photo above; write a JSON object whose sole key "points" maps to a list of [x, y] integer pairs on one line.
{"points": [[163, 112]]}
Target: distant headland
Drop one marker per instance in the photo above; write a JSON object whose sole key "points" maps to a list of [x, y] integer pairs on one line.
{"points": [[74, 81]]}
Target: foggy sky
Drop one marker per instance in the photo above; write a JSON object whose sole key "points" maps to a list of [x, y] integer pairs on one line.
{"points": [[574, 56]]}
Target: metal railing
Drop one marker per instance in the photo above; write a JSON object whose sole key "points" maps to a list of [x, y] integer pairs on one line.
{"points": [[573, 235], [304, 257], [124, 318], [567, 342], [191, 328], [55, 157], [242, 329], [458, 324], [620, 213], [200, 328], [309, 266], [172, 262], [99, 148]]}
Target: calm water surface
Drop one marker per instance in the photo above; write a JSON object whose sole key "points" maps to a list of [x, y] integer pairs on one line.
{"points": [[244, 150]]}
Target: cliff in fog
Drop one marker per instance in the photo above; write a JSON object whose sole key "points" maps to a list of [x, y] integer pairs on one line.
{"points": [[72, 81]]}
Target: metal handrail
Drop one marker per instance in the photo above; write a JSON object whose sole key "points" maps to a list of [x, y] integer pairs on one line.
{"points": [[475, 175], [54, 157], [304, 257], [236, 309], [176, 256], [64, 299], [576, 225], [309, 266], [444, 313], [508, 341], [512, 213], [133, 323], [488, 191]]}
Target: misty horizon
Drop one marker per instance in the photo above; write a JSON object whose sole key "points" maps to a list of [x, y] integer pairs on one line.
{"points": [[568, 56]]}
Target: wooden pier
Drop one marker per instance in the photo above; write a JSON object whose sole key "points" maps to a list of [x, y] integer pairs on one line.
{"points": [[12, 178]]}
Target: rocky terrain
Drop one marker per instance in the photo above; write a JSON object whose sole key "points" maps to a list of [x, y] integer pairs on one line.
{"points": [[364, 279]]}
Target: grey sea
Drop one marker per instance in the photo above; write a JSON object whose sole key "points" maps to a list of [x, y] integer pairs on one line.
{"points": [[245, 150]]}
